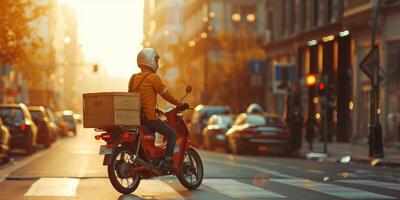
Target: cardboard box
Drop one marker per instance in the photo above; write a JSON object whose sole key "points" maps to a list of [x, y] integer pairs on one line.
{"points": [[111, 109]]}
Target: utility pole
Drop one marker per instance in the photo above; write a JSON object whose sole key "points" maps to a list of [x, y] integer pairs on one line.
{"points": [[205, 68], [325, 102], [375, 128]]}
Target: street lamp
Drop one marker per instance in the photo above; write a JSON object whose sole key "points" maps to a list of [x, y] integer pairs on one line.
{"points": [[251, 17], [311, 80], [211, 14], [203, 35], [67, 40], [192, 43], [236, 17]]}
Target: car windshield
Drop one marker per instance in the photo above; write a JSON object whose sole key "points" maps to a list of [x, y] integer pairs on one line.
{"points": [[225, 120], [68, 118], [37, 115], [11, 116], [215, 111], [255, 120], [51, 116]]}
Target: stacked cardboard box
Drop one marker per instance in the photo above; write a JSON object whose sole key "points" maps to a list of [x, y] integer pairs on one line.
{"points": [[111, 109]]}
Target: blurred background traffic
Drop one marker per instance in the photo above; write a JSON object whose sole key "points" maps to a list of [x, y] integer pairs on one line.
{"points": [[266, 72]]}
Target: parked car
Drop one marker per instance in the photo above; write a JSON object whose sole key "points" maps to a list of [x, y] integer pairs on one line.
{"points": [[265, 133], [78, 118], [60, 129], [200, 118], [68, 117], [4, 142], [46, 134], [255, 108], [214, 133], [18, 120]]}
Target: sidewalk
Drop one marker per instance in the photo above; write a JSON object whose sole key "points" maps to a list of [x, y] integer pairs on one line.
{"points": [[348, 152]]}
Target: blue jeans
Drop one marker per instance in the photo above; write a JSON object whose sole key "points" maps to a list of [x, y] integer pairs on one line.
{"points": [[165, 130]]}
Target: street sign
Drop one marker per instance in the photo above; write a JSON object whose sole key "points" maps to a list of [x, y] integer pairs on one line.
{"points": [[369, 63], [283, 77], [257, 67]]}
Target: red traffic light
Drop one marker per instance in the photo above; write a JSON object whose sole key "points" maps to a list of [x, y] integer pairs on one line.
{"points": [[321, 86], [311, 80]]}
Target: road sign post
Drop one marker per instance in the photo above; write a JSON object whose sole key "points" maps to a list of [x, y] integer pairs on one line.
{"points": [[370, 66], [325, 111]]}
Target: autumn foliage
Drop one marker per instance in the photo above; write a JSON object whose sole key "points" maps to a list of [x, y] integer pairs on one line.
{"points": [[17, 36]]}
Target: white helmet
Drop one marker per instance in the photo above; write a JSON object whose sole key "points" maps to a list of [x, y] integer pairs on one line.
{"points": [[148, 57]]}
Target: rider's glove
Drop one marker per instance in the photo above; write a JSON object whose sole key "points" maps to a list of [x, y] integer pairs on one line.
{"points": [[183, 106]]}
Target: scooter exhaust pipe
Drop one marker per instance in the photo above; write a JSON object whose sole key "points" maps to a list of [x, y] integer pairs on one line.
{"points": [[146, 165]]}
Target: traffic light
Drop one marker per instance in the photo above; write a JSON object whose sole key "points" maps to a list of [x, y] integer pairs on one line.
{"points": [[95, 68], [311, 80], [321, 88]]}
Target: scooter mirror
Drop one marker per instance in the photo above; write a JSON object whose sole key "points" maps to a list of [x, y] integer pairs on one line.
{"points": [[188, 89]]}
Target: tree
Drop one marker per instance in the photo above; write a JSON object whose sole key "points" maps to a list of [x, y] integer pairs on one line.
{"points": [[17, 37]]}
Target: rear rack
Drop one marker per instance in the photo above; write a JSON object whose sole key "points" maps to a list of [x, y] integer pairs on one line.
{"points": [[120, 129]]}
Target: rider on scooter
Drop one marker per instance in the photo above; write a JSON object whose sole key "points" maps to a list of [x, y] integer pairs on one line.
{"points": [[149, 84]]}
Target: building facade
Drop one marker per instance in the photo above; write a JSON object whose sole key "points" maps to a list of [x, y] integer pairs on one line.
{"points": [[163, 27], [51, 76], [221, 38], [329, 38]]}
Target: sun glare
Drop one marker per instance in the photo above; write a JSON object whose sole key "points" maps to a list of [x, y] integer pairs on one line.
{"points": [[110, 33]]}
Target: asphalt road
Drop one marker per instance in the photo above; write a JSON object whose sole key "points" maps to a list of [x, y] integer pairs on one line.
{"points": [[71, 169]]}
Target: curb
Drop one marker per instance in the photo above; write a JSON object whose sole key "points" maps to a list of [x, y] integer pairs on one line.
{"points": [[377, 162], [374, 162]]}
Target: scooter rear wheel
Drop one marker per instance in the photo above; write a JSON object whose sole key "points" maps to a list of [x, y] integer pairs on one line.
{"points": [[191, 173], [118, 171]]}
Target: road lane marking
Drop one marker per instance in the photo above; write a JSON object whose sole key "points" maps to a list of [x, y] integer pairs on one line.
{"points": [[64, 187], [4, 173], [236, 189], [385, 185], [252, 167], [156, 189], [292, 167], [315, 171], [333, 190]]}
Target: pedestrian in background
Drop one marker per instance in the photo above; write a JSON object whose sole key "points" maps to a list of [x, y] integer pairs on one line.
{"points": [[310, 131], [296, 128], [398, 128]]}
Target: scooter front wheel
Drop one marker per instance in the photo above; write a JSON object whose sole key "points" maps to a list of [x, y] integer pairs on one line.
{"points": [[119, 171], [191, 172]]}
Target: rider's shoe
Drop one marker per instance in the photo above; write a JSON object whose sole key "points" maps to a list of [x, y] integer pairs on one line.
{"points": [[167, 165]]}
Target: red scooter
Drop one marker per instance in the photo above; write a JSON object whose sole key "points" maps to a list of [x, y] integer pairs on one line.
{"points": [[131, 154]]}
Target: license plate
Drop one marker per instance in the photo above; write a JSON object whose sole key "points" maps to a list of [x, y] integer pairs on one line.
{"points": [[262, 148], [104, 150], [268, 133], [220, 137]]}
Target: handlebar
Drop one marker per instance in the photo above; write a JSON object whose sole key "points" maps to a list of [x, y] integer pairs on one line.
{"points": [[182, 107], [179, 109]]}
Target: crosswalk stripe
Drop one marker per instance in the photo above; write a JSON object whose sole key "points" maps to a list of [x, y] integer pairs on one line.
{"points": [[330, 189], [156, 189], [252, 167], [386, 185], [315, 171], [237, 189], [64, 187]]}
